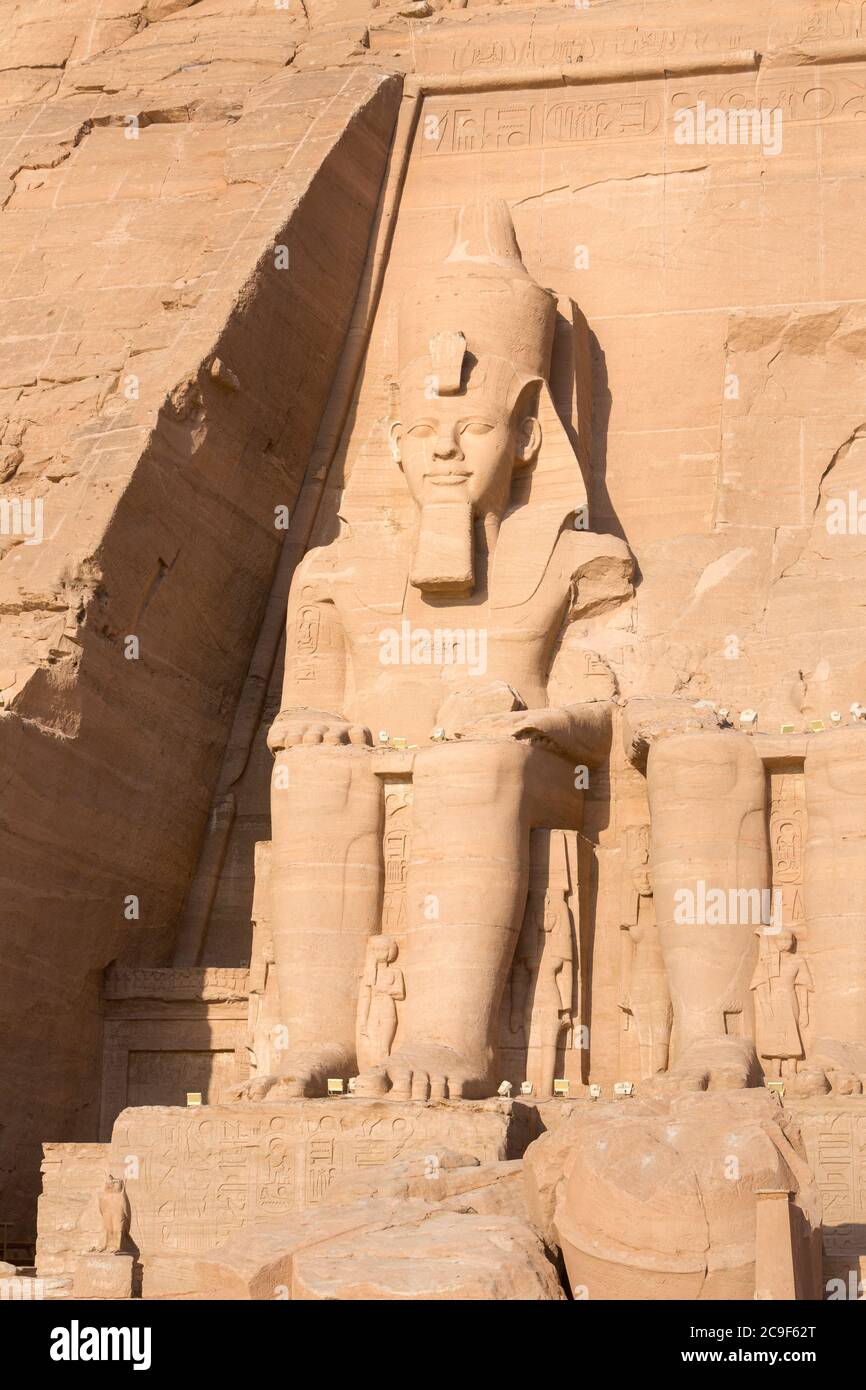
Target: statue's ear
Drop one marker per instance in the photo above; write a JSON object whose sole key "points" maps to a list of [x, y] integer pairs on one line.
{"points": [[395, 434], [528, 425], [528, 439]]}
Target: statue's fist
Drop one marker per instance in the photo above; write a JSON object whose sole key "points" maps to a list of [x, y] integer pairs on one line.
{"points": [[646, 720], [296, 728]]}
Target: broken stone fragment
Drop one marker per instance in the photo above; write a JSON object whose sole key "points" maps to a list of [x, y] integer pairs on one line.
{"points": [[224, 375]]}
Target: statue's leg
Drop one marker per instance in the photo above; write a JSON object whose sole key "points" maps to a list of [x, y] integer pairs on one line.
{"points": [[547, 1058], [711, 881], [835, 900], [474, 805], [326, 889]]}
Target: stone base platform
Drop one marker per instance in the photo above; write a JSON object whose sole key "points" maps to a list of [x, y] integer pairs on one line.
{"points": [[196, 1176]]}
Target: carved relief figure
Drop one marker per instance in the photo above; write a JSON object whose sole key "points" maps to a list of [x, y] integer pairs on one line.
{"points": [[782, 982], [477, 539], [542, 985], [115, 1213], [381, 988], [646, 1003]]}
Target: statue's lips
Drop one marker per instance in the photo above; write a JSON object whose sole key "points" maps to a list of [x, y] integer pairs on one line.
{"points": [[440, 479]]}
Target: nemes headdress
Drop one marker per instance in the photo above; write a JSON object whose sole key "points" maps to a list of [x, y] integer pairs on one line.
{"points": [[479, 321]]}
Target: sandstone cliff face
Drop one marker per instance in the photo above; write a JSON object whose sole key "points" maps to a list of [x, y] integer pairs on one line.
{"points": [[184, 223]]}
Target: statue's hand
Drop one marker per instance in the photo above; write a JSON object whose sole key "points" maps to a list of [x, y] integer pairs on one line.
{"points": [[522, 723], [548, 727], [581, 732], [465, 707], [307, 727], [646, 720]]}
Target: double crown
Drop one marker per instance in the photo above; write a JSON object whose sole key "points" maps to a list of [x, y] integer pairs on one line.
{"points": [[480, 321]]}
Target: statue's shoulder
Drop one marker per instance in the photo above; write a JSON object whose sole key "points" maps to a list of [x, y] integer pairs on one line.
{"points": [[318, 567], [599, 567], [576, 550]]}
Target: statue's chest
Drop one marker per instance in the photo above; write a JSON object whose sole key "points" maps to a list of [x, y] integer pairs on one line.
{"points": [[533, 623]]}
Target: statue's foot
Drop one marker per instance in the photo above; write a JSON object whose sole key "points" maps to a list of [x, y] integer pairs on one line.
{"points": [[834, 1066], [710, 1064], [427, 1072], [303, 1073]]}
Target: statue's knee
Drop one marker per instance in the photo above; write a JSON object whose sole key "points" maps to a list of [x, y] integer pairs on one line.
{"points": [[708, 764], [470, 773], [836, 763], [318, 781]]}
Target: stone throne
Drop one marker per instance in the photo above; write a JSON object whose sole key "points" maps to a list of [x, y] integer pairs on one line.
{"points": [[418, 909]]}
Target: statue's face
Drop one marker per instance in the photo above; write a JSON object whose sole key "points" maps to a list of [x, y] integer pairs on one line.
{"points": [[462, 448]]}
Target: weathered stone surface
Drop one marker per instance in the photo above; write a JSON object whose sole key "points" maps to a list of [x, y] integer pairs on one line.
{"points": [[440, 1177], [382, 1248], [70, 1225], [258, 1263], [663, 1205], [102, 1276], [195, 1176], [444, 1256], [547, 1161]]}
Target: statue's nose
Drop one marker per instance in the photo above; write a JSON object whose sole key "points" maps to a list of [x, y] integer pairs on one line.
{"points": [[447, 447]]}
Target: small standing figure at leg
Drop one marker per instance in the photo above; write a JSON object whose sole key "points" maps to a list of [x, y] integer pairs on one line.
{"points": [[646, 1001], [542, 997], [381, 988], [115, 1213], [781, 982]]}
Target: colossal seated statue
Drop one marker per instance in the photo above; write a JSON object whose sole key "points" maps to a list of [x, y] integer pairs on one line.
{"points": [[419, 759], [438, 626]]}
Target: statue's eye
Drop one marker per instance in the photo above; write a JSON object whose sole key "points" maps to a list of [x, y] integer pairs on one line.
{"points": [[475, 427], [422, 430]]}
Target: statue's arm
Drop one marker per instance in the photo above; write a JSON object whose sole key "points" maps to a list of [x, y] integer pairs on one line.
{"points": [[596, 573], [314, 682], [581, 732]]}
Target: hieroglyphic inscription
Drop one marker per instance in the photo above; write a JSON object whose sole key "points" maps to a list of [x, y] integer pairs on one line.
{"points": [[787, 844], [195, 1177], [482, 127], [800, 95], [572, 44], [485, 125], [834, 1133], [396, 843], [307, 633], [206, 983]]}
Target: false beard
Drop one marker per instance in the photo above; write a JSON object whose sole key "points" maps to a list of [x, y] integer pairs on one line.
{"points": [[443, 562]]}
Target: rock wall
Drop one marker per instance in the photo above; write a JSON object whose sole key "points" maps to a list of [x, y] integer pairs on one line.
{"points": [[184, 223]]}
